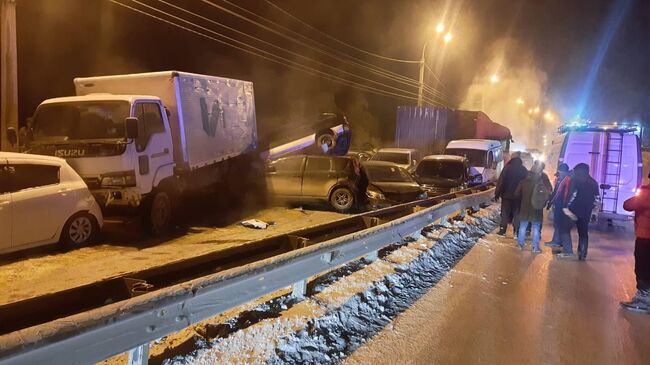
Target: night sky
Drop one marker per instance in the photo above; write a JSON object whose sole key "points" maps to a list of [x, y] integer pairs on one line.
{"points": [[61, 39]]}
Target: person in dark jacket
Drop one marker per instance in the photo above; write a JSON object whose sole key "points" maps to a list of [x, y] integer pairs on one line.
{"points": [[579, 202], [513, 173], [528, 213], [640, 204], [562, 172]]}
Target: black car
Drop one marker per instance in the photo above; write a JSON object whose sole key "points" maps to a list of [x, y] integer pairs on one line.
{"points": [[443, 174], [386, 184]]}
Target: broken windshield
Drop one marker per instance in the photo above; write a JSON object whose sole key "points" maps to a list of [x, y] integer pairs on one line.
{"points": [[80, 120]]}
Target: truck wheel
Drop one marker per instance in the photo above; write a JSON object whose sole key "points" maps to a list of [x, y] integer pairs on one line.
{"points": [[160, 213], [81, 229], [342, 199], [325, 137]]}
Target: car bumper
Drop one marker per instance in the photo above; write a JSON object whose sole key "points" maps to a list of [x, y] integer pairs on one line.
{"points": [[117, 197]]}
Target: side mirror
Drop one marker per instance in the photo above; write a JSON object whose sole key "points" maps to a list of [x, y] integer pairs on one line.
{"points": [[12, 136], [605, 186], [414, 162], [131, 127]]}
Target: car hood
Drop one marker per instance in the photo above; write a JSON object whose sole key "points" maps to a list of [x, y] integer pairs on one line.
{"points": [[397, 187], [440, 182]]}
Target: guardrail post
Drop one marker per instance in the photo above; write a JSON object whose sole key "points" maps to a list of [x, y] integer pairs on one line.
{"points": [[139, 355], [299, 289]]}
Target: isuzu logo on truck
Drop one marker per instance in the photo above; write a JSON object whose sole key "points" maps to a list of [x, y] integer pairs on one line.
{"points": [[70, 153]]}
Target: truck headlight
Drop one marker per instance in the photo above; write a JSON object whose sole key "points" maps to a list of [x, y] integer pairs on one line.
{"points": [[373, 193], [423, 195], [118, 179]]}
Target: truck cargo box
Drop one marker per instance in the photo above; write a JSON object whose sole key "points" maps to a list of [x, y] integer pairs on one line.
{"points": [[422, 128], [211, 118]]}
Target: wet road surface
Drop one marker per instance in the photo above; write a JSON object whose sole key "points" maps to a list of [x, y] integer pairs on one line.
{"points": [[504, 306]]}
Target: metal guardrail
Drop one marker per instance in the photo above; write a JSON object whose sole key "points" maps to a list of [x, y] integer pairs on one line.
{"points": [[100, 333]]}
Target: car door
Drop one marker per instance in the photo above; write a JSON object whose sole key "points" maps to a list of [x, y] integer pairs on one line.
{"points": [[318, 178], [284, 177], [38, 203], [6, 218], [153, 144]]}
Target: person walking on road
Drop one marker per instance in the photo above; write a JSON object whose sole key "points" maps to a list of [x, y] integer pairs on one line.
{"points": [[640, 204], [581, 198], [562, 172], [534, 192], [513, 173]]}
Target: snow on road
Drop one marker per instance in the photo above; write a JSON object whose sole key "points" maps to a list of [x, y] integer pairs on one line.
{"points": [[48, 270], [345, 307], [500, 305]]}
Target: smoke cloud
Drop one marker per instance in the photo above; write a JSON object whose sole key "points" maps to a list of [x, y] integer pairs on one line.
{"points": [[511, 88]]}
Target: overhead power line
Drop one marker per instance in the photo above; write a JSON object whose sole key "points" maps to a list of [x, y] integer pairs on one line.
{"points": [[285, 12], [329, 52], [298, 55], [275, 58]]}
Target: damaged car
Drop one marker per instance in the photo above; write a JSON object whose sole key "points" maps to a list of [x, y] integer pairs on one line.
{"points": [[386, 184]]}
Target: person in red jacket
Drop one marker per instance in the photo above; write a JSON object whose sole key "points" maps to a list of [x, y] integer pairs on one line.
{"points": [[640, 204]]}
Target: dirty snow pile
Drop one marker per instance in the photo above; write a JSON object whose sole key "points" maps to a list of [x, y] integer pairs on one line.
{"points": [[346, 307]]}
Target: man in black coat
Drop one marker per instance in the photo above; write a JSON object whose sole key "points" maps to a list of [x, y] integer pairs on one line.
{"points": [[580, 201], [508, 181]]}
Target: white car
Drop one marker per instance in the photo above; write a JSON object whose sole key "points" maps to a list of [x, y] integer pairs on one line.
{"points": [[43, 200]]}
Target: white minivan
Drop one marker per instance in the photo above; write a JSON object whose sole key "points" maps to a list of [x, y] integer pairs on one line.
{"points": [[43, 200], [485, 156]]}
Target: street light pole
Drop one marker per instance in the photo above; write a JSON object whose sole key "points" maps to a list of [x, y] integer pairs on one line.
{"points": [[421, 84], [8, 72]]}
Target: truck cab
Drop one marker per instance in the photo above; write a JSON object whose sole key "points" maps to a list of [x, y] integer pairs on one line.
{"points": [[120, 144]]}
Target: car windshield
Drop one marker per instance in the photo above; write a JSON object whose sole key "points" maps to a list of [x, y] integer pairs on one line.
{"points": [[440, 169], [387, 174], [81, 120], [476, 158], [394, 157]]}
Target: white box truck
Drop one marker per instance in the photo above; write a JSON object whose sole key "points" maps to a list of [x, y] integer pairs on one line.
{"points": [[614, 158], [141, 141]]}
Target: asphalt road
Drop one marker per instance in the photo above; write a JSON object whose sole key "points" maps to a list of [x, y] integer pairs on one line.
{"points": [[504, 306]]}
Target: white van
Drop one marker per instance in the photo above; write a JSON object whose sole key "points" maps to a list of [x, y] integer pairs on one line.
{"points": [[485, 156], [406, 158], [614, 159], [43, 200]]}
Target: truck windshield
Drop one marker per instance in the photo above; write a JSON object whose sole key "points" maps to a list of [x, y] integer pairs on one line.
{"points": [[80, 120], [394, 157], [440, 169], [477, 158]]}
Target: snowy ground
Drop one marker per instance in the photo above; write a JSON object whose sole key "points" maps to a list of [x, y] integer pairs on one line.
{"points": [[500, 305], [36, 272], [343, 308]]}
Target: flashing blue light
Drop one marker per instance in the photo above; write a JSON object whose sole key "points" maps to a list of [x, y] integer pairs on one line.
{"points": [[611, 26]]}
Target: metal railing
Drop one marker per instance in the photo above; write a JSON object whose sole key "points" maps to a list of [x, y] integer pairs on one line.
{"points": [[130, 325]]}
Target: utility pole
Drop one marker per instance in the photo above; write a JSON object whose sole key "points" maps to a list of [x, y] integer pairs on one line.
{"points": [[8, 72], [421, 84]]}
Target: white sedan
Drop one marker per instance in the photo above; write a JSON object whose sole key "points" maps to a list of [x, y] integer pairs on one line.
{"points": [[43, 200]]}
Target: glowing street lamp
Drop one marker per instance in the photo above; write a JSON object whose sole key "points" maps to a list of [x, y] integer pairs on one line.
{"points": [[548, 116], [440, 28], [520, 101], [447, 38], [494, 79], [536, 110]]}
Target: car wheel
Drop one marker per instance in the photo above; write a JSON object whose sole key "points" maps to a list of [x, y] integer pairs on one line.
{"points": [[342, 199], [81, 229], [326, 138], [160, 213]]}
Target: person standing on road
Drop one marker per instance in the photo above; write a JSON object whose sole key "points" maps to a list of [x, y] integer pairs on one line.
{"points": [[513, 173], [534, 192], [581, 198], [555, 202], [640, 204]]}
